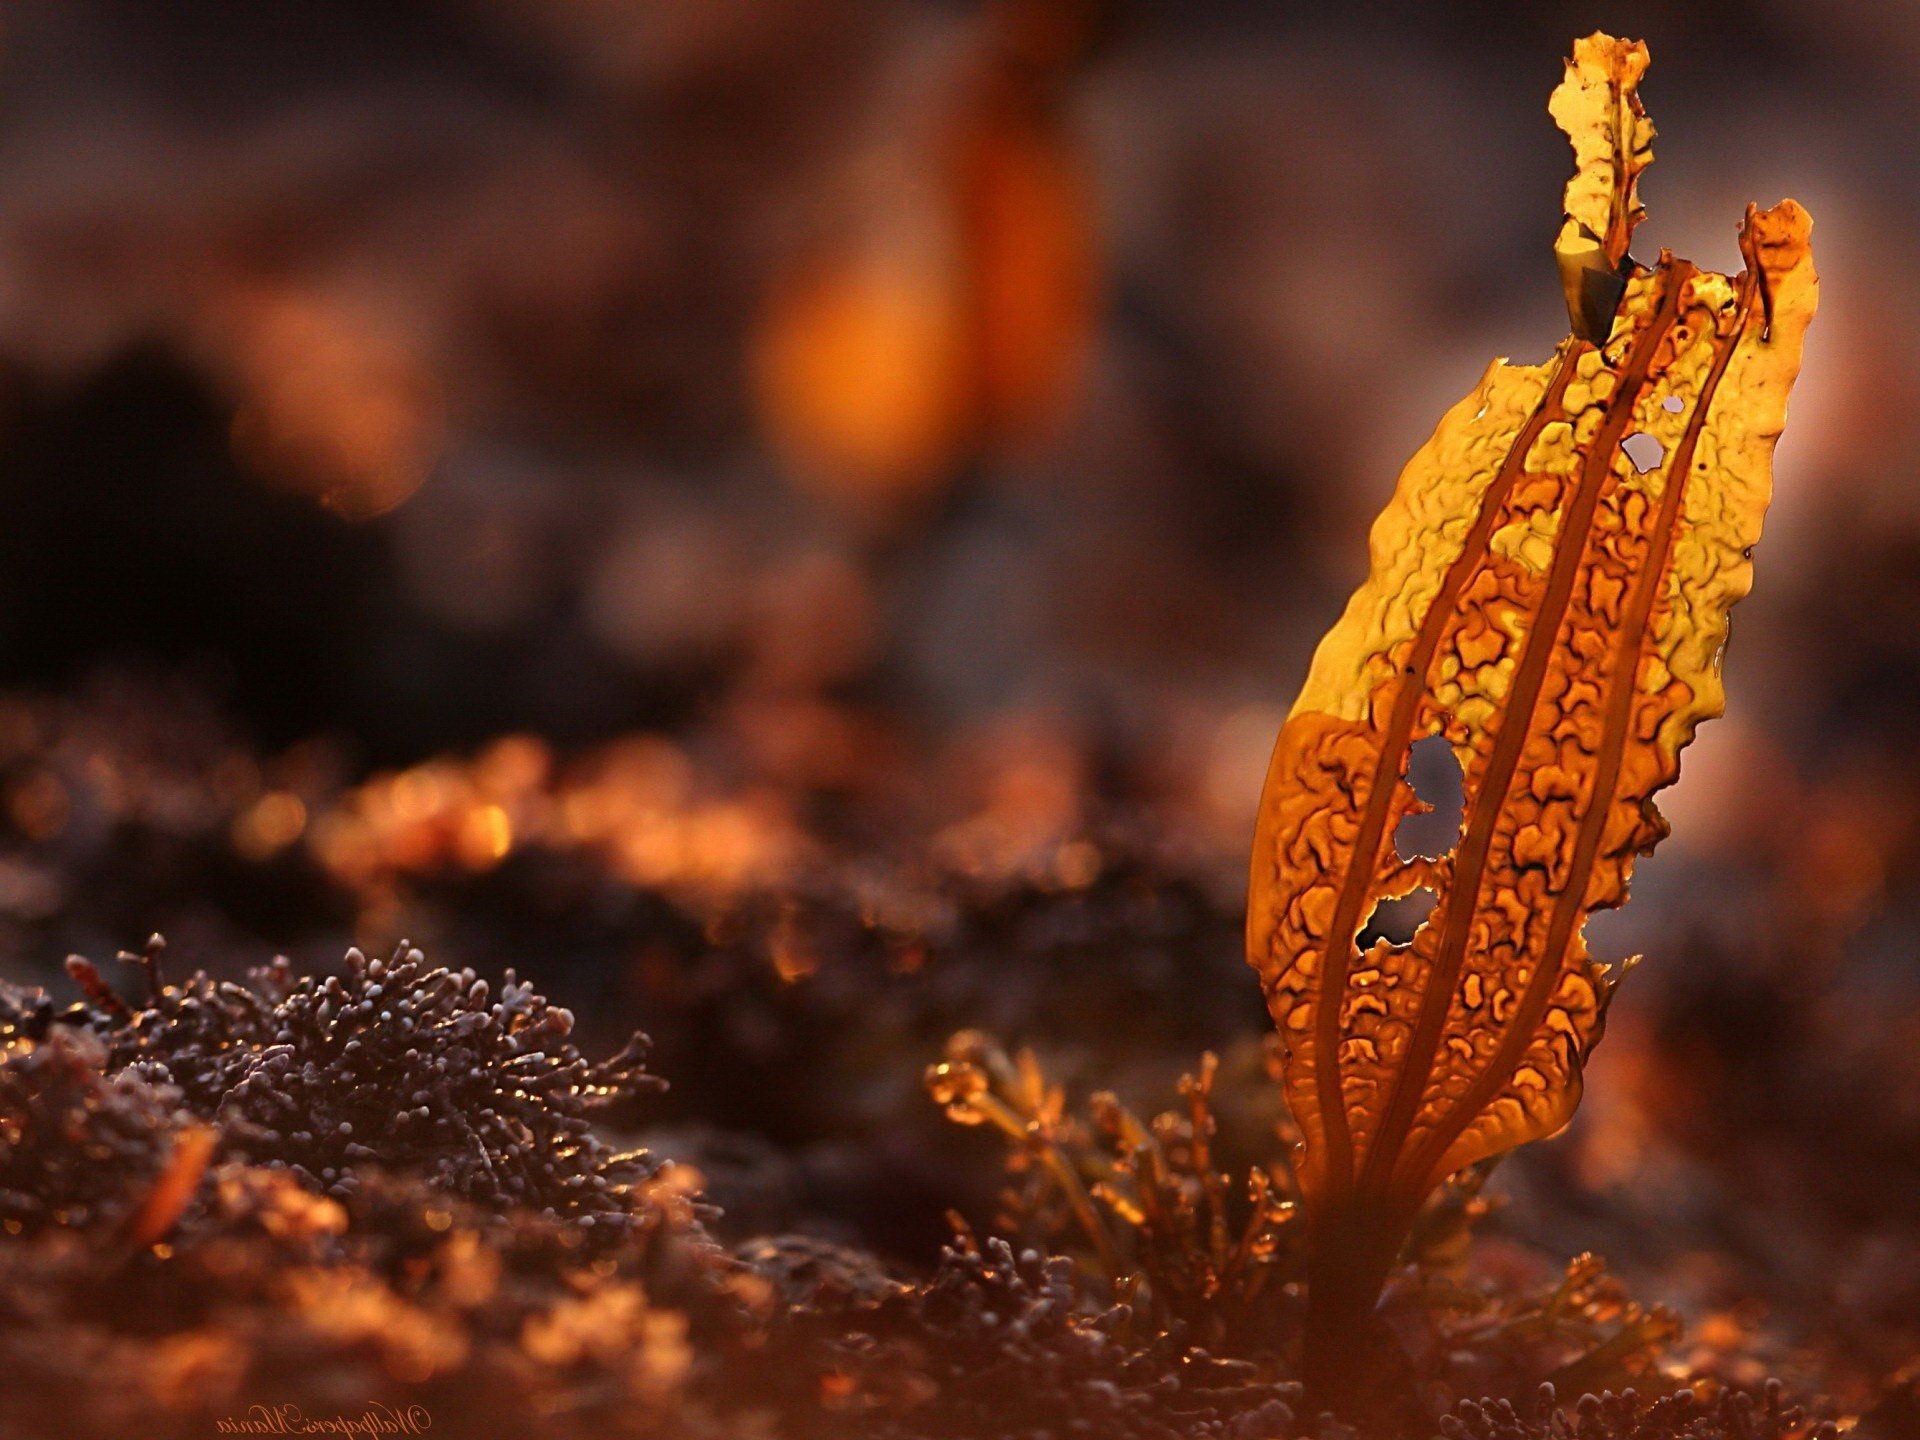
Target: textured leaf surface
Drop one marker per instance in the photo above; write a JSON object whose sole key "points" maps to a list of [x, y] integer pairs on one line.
{"points": [[1551, 595]]}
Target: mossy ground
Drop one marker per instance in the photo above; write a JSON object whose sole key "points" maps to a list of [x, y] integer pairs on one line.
{"points": [[414, 1180]]}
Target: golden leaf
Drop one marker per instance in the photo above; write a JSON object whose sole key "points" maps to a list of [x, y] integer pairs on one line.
{"points": [[1549, 591]]}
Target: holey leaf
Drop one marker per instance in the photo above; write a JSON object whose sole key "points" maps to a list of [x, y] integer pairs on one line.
{"points": [[1549, 592]]}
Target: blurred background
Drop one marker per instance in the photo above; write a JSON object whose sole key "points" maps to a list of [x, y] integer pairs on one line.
{"points": [[440, 441]]}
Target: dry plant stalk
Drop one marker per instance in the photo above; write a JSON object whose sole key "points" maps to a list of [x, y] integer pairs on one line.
{"points": [[1550, 593]]}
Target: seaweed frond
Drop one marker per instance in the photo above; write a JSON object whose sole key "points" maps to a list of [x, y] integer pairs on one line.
{"points": [[1549, 595]]}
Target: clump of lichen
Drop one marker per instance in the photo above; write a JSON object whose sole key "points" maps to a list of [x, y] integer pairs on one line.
{"points": [[75, 1146], [394, 1297], [401, 1063], [188, 1231], [1687, 1414], [1009, 1345], [510, 1268]]}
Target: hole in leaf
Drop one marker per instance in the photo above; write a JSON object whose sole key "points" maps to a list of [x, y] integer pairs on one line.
{"points": [[1395, 920], [1643, 450], [1673, 404], [1435, 776]]}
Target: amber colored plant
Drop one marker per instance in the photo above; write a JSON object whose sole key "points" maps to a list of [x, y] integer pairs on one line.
{"points": [[1170, 1234], [1549, 592]]}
